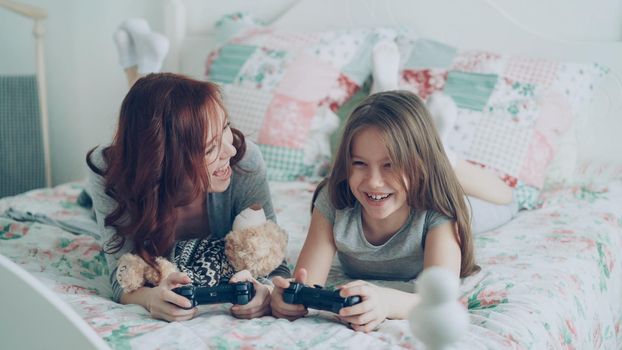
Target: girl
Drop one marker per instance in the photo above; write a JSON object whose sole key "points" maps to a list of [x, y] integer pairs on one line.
{"points": [[391, 207], [175, 170]]}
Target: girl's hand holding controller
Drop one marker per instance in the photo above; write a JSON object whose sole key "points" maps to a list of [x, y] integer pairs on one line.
{"points": [[367, 315], [280, 308]]}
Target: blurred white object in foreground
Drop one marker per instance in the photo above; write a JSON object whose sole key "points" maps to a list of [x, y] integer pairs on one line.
{"points": [[439, 320]]}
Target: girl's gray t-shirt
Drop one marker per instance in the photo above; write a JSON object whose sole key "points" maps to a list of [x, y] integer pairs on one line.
{"points": [[399, 258], [249, 185]]}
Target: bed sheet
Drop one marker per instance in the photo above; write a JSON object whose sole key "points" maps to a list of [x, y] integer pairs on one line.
{"points": [[550, 279]]}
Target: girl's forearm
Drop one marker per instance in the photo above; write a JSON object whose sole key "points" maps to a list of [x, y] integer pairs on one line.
{"points": [[399, 303]]}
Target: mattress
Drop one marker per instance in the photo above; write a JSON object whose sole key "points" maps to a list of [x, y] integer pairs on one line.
{"points": [[550, 279]]}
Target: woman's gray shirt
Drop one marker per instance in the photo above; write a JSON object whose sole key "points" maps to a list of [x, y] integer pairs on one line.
{"points": [[249, 185]]}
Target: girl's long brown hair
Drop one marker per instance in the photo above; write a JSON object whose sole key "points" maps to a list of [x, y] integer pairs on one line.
{"points": [[159, 145], [416, 151]]}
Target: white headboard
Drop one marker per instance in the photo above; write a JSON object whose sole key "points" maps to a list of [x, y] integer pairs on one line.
{"points": [[34, 317], [477, 24], [38, 15]]}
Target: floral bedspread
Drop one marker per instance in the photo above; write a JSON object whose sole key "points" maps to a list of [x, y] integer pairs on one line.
{"points": [[550, 279]]}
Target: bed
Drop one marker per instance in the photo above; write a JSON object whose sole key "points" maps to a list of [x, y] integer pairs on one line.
{"points": [[550, 279]]}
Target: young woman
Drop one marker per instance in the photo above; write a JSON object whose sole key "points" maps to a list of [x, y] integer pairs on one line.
{"points": [[174, 170], [391, 207]]}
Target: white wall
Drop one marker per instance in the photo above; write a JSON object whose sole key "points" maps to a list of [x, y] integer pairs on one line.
{"points": [[86, 84], [598, 20]]}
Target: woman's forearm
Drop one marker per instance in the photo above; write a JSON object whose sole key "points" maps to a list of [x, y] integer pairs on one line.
{"points": [[139, 297]]}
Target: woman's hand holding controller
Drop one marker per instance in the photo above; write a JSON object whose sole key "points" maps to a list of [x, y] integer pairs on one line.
{"points": [[161, 302]]}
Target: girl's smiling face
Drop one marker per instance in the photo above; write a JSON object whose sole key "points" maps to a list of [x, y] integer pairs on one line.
{"points": [[373, 180]]}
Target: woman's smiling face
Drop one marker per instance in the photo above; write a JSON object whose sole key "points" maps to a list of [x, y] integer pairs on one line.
{"points": [[218, 154]]}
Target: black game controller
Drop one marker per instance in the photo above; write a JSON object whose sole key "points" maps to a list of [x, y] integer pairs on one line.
{"points": [[317, 298], [236, 293]]}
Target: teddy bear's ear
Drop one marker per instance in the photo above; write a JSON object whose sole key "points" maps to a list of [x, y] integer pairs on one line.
{"points": [[130, 270]]}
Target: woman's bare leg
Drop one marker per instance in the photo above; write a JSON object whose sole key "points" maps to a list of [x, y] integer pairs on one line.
{"points": [[132, 75]]}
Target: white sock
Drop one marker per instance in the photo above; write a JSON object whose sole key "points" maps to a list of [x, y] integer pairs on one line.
{"points": [[385, 69], [125, 48], [451, 156], [150, 47], [444, 112], [151, 51], [317, 147]]}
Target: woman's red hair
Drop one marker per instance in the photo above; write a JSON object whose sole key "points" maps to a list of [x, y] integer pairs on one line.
{"points": [[159, 146]]}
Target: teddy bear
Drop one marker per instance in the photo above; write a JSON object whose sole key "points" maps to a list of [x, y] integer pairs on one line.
{"points": [[254, 244]]}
